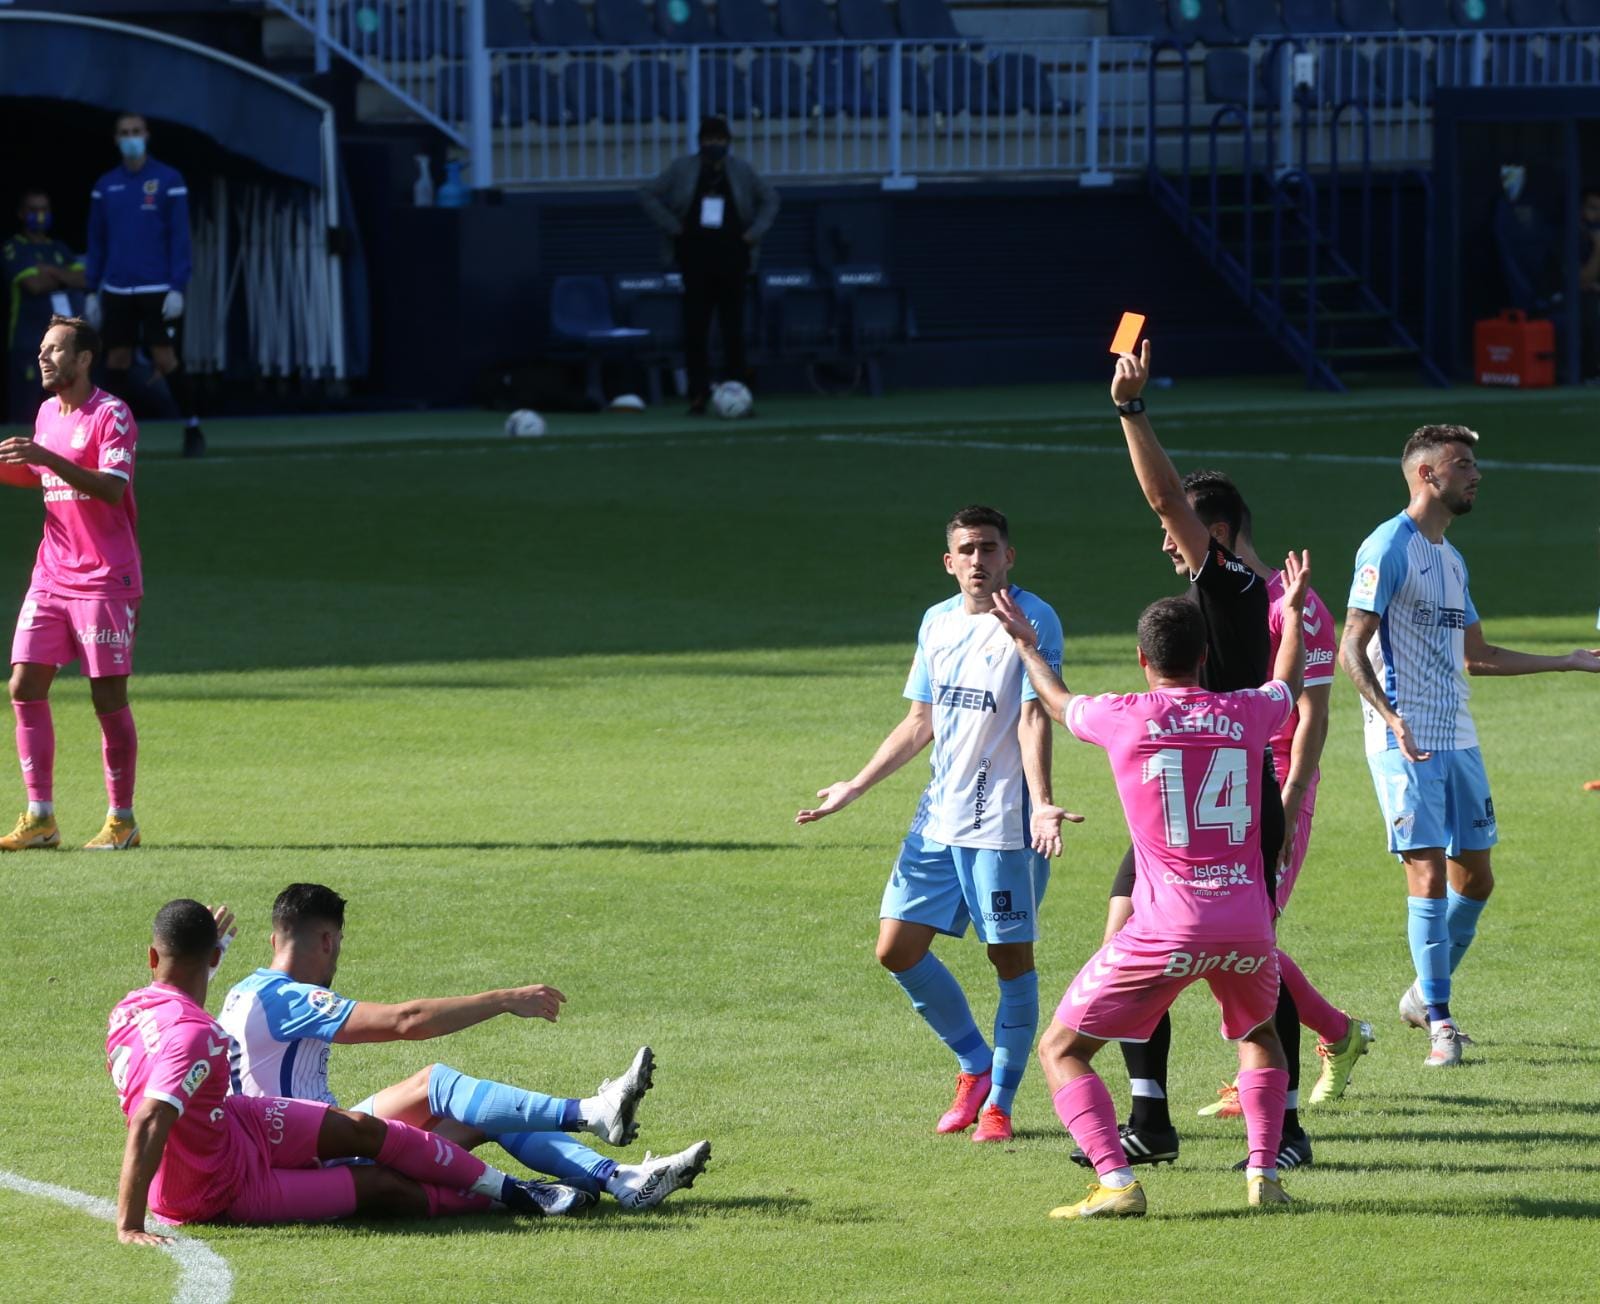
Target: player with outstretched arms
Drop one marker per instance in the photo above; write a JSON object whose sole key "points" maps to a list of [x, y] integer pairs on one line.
{"points": [[284, 1020], [197, 1154], [1411, 636], [83, 600], [978, 845], [1188, 768]]}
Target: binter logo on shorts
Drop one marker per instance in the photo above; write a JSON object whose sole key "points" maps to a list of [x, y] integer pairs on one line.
{"points": [[1181, 964]]}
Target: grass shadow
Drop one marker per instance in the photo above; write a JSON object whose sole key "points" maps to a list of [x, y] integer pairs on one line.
{"points": [[649, 847]]}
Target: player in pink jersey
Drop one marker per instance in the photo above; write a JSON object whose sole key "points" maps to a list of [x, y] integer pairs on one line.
{"points": [[83, 601], [196, 1154], [1188, 769]]}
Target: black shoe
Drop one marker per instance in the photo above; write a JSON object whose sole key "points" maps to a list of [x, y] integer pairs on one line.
{"points": [[1141, 1145], [194, 442], [545, 1199], [1294, 1151]]}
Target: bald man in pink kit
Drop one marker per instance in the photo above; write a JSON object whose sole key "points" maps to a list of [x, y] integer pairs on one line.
{"points": [[197, 1154], [1188, 767], [83, 601]]}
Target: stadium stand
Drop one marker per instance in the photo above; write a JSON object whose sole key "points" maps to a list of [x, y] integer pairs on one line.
{"points": [[1310, 17], [1367, 16], [806, 20], [683, 22], [624, 22], [927, 20], [748, 21], [866, 20], [778, 87], [561, 22]]}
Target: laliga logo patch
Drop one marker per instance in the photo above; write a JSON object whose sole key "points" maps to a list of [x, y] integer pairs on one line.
{"points": [[1366, 585], [324, 1003], [198, 1072]]}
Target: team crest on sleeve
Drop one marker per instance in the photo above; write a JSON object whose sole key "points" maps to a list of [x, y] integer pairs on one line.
{"points": [[198, 1072], [1366, 585], [324, 1003]]}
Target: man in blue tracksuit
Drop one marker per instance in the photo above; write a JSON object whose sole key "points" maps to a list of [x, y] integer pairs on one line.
{"points": [[138, 268]]}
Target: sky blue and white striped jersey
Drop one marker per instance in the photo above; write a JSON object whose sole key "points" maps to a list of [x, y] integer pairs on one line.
{"points": [[967, 667], [282, 1033], [1419, 589]]}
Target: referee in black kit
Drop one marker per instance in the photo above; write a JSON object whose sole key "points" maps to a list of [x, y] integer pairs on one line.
{"points": [[713, 208]]}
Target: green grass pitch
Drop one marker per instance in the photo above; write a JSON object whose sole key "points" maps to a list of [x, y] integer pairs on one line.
{"points": [[544, 710]]}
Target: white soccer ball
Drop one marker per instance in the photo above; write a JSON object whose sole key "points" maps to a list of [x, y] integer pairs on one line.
{"points": [[524, 423], [731, 400]]}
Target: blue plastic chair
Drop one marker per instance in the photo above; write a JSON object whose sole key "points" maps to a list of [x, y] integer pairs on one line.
{"points": [[839, 84], [1583, 13], [581, 317], [653, 91], [1226, 78], [1424, 15], [778, 87], [1137, 18], [504, 24], [592, 91], [927, 20], [1249, 18], [683, 22], [1310, 17], [866, 20], [624, 22], [1199, 20], [723, 88], [747, 21], [1472, 15], [1019, 83], [960, 83], [1368, 16], [560, 22], [1544, 14], [916, 95], [806, 20]]}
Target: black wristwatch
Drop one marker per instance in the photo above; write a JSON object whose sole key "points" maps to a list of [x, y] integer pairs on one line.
{"points": [[1131, 408]]}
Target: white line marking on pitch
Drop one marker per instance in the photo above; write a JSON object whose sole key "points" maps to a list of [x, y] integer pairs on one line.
{"points": [[203, 1275]]}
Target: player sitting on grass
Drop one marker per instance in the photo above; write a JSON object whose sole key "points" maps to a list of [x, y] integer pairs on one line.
{"points": [[197, 1154], [1187, 764], [284, 1018]]}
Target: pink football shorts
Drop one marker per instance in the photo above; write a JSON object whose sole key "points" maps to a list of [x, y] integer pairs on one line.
{"points": [[283, 1183], [1121, 994], [55, 631]]}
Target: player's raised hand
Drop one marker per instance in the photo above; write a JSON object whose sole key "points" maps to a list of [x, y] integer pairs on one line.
{"points": [[535, 1002], [1131, 375], [1584, 658], [138, 1236], [227, 929], [835, 797], [1404, 740], [1296, 580], [1046, 828], [1013, 621]]}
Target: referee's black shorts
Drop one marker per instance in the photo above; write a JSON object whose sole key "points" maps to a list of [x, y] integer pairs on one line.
{"points": [[128, 320]]}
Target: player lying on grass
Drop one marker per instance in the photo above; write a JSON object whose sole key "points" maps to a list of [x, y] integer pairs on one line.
{"points": [[283, 1020], [1187, 765], [197, 1154]]}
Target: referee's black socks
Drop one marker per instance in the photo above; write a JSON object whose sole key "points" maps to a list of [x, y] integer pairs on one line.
{"points": [[1147, 1075]]}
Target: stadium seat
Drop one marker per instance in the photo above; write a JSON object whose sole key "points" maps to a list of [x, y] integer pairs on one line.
{"points": [[560, 22], [1544, 14], [652, 302], [874, 317], [796, 314], [839, 84], [1227, 78], [866, 20], [927, 20], [438, 32], [1424, 15], [523, 91], [624, 22], [916, 95], [1310, 17], [1019, 84], [581, 318], [370, 33], [1479, 14], [806, 20], [1200, 20], [744, 20], [592, 91], [778, 87], [723, 88], [1247, 18], [683, 22], [1583, 13], [505, 25], [1403, 76], [653, 91], [1137, 18], [1367, 16], [961, 83], [1345, 76]]}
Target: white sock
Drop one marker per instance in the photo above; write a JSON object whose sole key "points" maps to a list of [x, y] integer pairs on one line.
{"points": [[1147, 1087], [120, 813], [41, 808], [1117, 1179], [1436, 1024], [618, 1179], [492, 1183], [1262, 1172], [1292, 1100]]}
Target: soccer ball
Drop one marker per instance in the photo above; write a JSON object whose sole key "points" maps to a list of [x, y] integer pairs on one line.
{"points": [[524, 423], [731, 400]]}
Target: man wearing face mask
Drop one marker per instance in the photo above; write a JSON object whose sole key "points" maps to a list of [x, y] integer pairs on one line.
{"points": [[139, 268], [44, 278], [714, 208]]}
